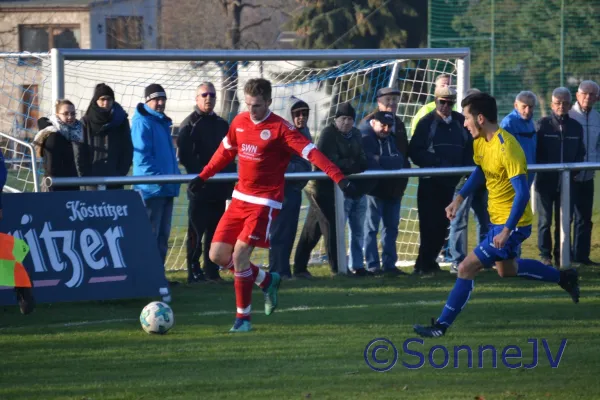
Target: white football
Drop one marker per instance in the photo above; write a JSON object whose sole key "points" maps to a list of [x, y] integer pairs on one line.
{"points": [[157, 317]]}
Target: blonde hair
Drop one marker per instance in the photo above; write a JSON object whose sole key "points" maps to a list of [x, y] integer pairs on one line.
{"points": [[62, 102]]}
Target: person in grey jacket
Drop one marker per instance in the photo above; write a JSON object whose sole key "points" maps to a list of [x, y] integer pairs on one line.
{"points": [[583, 186], [283, 229]]}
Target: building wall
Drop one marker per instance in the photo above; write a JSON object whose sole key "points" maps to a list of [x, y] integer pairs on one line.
{"points": [[147, 9], [10, 21]]}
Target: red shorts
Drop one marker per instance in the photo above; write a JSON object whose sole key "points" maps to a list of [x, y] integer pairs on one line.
{"points": [[247, 222]]}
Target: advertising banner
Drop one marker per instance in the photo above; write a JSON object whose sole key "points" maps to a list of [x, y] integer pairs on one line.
{"points": [[94, 245]]}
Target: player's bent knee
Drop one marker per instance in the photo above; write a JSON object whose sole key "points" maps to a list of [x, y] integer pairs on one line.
{"points": [[220, 253]]}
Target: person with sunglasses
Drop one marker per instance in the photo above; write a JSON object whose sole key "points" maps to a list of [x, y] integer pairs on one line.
{"points": [[439, 141], [58, 142], [283, 229], [199, 137]]}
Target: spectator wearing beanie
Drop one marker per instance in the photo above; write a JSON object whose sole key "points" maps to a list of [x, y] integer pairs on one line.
{"points": [[283, 229], [154, 154], [107, 149], [341, 143]]}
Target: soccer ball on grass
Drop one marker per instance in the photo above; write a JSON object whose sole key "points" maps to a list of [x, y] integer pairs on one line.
{"points": [[157, 317]]}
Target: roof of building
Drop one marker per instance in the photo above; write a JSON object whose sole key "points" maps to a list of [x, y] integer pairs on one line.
{"points": [[37, 4]]}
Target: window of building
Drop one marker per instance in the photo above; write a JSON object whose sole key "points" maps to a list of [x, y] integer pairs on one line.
{"points": [[125, 33], [42, 38], [30, 106]]}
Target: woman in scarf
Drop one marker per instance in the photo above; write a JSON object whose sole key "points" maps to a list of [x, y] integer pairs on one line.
{"points": [[58, 143], [107, 149]]}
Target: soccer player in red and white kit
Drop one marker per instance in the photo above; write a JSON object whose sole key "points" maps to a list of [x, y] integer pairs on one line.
{"points": [[264, 143]]}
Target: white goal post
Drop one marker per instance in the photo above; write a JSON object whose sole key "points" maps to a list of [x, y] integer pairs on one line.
{"points": [[322, 78]]}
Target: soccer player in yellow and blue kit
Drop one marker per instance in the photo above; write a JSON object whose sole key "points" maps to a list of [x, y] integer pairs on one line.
{"points": [[501, 165]]}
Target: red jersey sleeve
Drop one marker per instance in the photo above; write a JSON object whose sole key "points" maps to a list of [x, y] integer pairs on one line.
{"points": [[300, 145], [224, 154]]}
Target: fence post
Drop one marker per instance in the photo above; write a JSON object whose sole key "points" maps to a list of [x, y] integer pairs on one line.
{"points": [[58, 74], [565, 218], [340, 228]]}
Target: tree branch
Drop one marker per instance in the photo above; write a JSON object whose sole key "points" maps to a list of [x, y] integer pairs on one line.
{"points": [[244, 5], [225, 5], [255, 24]]}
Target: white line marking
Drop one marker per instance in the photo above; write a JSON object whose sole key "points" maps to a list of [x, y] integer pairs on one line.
{"points": [[286, 310]]}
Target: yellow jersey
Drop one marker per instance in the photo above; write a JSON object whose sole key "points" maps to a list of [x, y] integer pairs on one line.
{"points": [[501, 159]]}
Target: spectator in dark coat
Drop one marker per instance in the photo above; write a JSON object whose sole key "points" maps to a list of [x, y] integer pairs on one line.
{"points": [[559, 140], [58, 142], [283, 229], [199, 137], [107, 149], [383, 201], [440, 140], [341, 143]]}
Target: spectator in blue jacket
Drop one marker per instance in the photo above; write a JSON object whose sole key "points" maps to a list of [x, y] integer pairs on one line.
{"points": [[154, 154], [383, 201], [520, 124]]}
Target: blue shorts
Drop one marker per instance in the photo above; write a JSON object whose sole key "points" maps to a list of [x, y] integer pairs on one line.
{"points": [[488, 254]]}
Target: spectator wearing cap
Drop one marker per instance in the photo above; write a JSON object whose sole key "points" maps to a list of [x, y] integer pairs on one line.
{"points": [[583, 112], [341, 143], [106, 149], [383, 201], [387, 100], [442, 80], [439, 141], [283, 229], [154, 154]]}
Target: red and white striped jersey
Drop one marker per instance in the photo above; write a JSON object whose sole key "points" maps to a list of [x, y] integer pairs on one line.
{"points": [[264, 150]]}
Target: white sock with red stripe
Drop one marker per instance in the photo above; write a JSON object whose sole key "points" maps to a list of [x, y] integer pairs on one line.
{"points": [[242, 282], [262, 279]]}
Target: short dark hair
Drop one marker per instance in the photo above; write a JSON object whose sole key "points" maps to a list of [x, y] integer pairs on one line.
{"points": [[258, 87], [481, 103]]}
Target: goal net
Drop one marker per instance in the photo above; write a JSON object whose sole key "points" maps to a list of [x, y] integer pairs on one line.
{"points": [[27, 92]]}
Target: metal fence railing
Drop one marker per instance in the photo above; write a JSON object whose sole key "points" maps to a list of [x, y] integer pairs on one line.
{"points": [[565, 200]]}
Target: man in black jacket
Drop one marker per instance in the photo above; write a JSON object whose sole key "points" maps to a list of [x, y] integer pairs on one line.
{"points": [[439, 140], [559, 140], [383, 201], [200, 135]]}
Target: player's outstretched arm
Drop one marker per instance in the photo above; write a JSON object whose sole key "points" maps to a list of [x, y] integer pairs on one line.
{"points": [[222, 157], [476, 179], [304, 148]]}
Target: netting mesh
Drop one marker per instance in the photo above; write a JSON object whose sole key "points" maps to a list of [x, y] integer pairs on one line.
{"points": [[26, 95], [516, 45]]}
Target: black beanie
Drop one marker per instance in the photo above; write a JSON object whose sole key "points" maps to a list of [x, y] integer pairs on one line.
{"points": [[153, 91], [103, 89], [345, 110], [300, 105]]}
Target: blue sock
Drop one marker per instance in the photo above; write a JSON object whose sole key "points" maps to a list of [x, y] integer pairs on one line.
{"points": [[534, 269], [456, 301]]}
